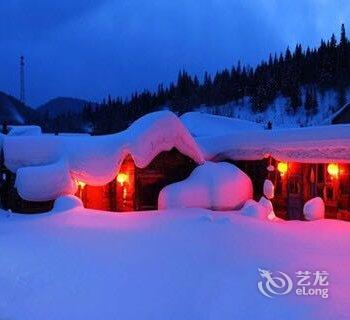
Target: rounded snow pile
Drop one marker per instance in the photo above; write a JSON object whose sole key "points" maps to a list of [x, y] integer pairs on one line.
{"points": [[216, 186], [254, 209], [65, 203], [314, 209]]}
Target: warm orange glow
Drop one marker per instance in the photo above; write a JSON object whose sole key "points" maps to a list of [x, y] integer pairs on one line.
{"points": [[282, 167], [122, 178], [333, 170], [80, 184]]}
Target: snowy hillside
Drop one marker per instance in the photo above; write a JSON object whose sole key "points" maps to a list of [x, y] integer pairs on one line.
{"points": [[14, 111], [276, 112], [188, 264]]}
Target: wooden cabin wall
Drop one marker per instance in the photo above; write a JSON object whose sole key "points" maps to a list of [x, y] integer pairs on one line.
{"points": [[306, 181], [257, 171], [112, 196], [95, 197], [344, 188], [301, 183], [143, 185], [168, 167], [124, 194]]}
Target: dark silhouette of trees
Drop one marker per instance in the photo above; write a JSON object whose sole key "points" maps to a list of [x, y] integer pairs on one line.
{"points": [[289, 74]]}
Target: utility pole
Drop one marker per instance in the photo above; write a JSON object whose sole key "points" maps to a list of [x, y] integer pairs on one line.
{"points": [[21, 85]]}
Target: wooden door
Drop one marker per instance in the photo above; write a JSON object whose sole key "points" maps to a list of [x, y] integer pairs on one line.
{"points": [[295, 199]]}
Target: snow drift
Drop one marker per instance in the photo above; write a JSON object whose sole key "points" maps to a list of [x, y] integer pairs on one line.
{"points": [[94, 160], [314, 209], [65, 203], [216, 186], [254, 209], [268, 206]]}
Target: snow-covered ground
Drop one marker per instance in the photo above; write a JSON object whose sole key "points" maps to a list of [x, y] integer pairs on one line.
{"points": [[176, 264]]}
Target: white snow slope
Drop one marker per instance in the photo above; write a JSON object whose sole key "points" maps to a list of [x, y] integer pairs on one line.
{"points": [[185, 264], [277, 111]]}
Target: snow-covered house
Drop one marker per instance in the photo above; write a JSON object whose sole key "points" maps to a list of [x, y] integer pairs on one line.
{"points": [[302, 163], [126, 171], [119, 172]]}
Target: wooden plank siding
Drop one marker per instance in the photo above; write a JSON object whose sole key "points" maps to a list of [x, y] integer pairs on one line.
{"points": [[302, 182], [141, 190]]}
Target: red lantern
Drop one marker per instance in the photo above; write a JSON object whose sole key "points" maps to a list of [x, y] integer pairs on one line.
{"points": [[333, 170], [80, 184], [282, 167], [122, 178]]}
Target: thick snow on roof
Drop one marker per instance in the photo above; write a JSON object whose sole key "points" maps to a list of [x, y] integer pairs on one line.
{"points": [[202, 124], [43, 183], [24, 131], [93, 160], [310, 145], [20, 131]]}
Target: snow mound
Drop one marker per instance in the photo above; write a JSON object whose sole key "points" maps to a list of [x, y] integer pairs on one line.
{"points": [[216, 186], [65, 203], [254, 209], [269, 207], [45, 183], [203, 124], [94, 160], [314, 209], [269, 189]]}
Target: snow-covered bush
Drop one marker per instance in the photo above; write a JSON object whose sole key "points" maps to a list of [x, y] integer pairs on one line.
{"points": [[269, 189], [314, 209], [67, 203], [254, 209], [216, 186]]}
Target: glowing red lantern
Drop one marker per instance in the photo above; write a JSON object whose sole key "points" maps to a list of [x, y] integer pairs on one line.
{"points": [[333, 170], [122, 178], [282, 167], [80, 184]]}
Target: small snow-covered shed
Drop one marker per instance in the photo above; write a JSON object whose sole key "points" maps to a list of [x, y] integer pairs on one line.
{"points": [[302, 163], [118, 172]]}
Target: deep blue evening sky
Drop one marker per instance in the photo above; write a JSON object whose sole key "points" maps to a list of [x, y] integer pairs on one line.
{"points": [[89, 48]]}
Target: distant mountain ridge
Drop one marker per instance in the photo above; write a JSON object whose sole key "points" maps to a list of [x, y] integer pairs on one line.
{"points": [[14, 111], [62, 105]]}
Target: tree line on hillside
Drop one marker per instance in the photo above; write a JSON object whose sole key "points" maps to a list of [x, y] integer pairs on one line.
{"points": [[312, 70]]}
